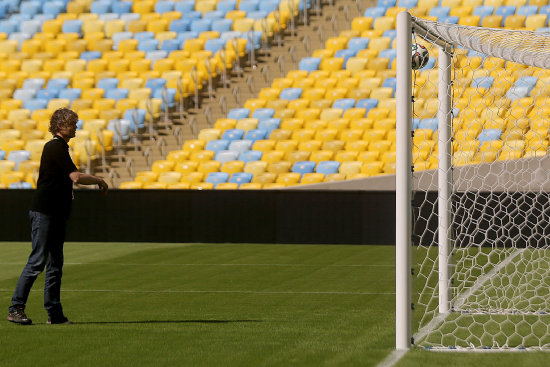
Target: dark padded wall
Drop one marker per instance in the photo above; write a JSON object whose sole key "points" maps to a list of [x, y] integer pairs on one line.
{"points": [[247, 216]]}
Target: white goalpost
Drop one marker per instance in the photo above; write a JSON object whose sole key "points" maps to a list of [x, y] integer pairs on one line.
{"points": [[472, 188]]}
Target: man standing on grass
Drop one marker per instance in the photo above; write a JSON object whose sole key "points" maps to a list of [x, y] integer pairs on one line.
{"points": [[49, 212]]}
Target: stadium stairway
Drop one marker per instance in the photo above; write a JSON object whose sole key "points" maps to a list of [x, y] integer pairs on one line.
{"points": [[283, 55]]}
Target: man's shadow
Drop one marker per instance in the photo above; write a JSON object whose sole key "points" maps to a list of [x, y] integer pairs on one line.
{"points": [[165, 322]]}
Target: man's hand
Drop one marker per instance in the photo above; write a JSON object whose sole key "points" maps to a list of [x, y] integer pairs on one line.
{"points": [[103, 186]]}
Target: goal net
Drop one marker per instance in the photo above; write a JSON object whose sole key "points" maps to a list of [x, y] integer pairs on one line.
{"points": [[478, 188]]}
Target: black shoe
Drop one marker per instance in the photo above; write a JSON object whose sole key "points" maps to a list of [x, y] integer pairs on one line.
{"points": [[58, 320], [17, 315]]}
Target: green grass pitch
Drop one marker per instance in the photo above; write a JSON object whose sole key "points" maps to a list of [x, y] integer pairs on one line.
{"points": [[218, 305]]}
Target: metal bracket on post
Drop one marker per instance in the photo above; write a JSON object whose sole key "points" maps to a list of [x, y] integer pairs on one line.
{"points": [[223, 105], [250, 36], [237, 94], [135, 121], [334, 25], [130, 167], [208, 115], [250, 84], [277, 16], [293, 57], [307, 45], [181, 91], [237, 64], [347, 16], [321, 34], [266, 73], [306, 10], [164, 94], [281, 63], [195, 77], [149, 108], [178, 133], [193, 126], [224, 68], [208, 66], [161, 144]]}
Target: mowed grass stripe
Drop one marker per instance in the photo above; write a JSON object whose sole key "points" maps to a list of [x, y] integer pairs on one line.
{"points": [[173, 327]]}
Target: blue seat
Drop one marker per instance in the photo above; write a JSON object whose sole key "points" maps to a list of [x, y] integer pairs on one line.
{"points": [[20, 185], [224, 156], [449, 20], [545, 10], [249, 5], [240, 146], [34, 83], [268, 125], [254, 39], [489, 134], [263, 113], [106, 17], [30, 7], [122, 7], [358, 43], [213, 15], [483, 82], [327, 167], [527, 10], [390, 83], [390, 33], [121, 128], [148, 45], [238, 113], [367, 103], [170, 45], [57, 83], [143, 36], [268, 5], [100, 7], [53, 8], [429, 123], [505, 11], [257, 15], [72, 26], [191, 14], [217, 177], [344, 103], [184, 6], [155, 83], [250, 156], [136, 116], [3, 154], [255, 134], [302, 167], [240, 177], [8, 26], [35, 104], [117, 93], [386, 3], [233, 134], [70, 93], [375, 12], [214, 45], [389, 53], [309, 64], [167, 95], [217, 145], [31, 26], [430, 64], [526, 82], [201, 25], [415, 123], [484, 11], [227, 5], [180, 25], [164, 6], [107, 83], [440, 11], [290, 93], [222, 25], [19, 156], [345, 54], [90, 55], [184, 36], [47, 94], [24, 94]]}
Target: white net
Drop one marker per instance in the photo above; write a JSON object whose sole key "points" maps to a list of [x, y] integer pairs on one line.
{"points": [[499, 262]]}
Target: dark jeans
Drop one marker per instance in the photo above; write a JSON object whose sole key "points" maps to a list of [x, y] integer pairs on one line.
{"points": [[48, 236]]}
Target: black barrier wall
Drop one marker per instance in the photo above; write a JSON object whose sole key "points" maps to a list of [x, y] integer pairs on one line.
{"points": [[247, 216]]}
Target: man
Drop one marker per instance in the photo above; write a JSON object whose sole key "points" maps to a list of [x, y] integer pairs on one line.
{"points": [[49, 212]]}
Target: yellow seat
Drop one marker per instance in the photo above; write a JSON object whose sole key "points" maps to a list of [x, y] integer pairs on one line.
{"points": [[264, 178], [264, 145], [310, 146], [186, 166], [350, 168], [515, 22], [202, 186], [331, 64], [255, 167], [178, 156], [193, 145], [384, 23], [361, 23], [243, 24], [312, 178], [335, 177], [202, 156], [280, 134], [321, 155], [192, 177], [289, 178], [279, 167], [492, 21], [232, 167], [209, 166], [273, 156]]}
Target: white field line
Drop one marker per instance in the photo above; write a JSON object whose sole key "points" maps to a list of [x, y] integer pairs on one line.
{"points": [[439, 319], [217, 291], [206, 264], [392, 358]]}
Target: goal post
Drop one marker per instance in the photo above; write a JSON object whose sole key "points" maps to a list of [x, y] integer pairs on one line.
{"points": [[472, 188]]}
